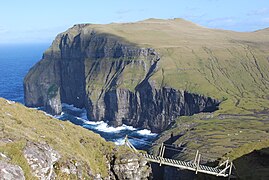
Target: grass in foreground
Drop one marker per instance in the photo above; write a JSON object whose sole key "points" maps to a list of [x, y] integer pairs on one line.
{"points": [[20, 124]]}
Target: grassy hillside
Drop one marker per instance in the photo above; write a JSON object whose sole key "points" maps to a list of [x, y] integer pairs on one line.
{"points": [[20, 125], [230, 66], [227, 65], [219, 137]]}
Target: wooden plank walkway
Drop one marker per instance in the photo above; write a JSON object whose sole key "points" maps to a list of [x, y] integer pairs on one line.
{"points": [[223, 170]]}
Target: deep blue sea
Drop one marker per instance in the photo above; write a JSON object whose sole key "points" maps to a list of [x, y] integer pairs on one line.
{"points": [[15, 62]]}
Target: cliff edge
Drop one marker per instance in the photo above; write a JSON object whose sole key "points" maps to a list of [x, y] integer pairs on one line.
{"points": [[114, 79]]}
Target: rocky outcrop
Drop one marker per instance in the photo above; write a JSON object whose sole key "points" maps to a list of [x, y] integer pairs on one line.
{"points": [[111, 78], [47, 163], [41, 158], [130, 166], [9, 171]]}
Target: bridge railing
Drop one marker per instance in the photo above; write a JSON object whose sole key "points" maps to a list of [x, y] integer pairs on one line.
{"points": [[224, 169]]}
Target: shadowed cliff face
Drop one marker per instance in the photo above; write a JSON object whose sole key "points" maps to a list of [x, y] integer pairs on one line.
{"points": [[111, 78], [153, 108], [254, 165]]}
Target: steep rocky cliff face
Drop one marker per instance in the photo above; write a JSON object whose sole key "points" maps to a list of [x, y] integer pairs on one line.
{"points": [[111, 78]]}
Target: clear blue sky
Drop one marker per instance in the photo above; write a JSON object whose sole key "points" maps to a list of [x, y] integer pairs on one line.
{"points": [[33, 21]]}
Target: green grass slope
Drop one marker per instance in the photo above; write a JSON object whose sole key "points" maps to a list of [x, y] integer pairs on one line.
{"points": [[19, 125], [227, 65]]}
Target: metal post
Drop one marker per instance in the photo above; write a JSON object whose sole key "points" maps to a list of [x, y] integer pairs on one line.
{"points": [[230, 170], [198, 163], [222, 164], [196, 156], [125, 140], [160, 152], [227, 163], [163, 151]]}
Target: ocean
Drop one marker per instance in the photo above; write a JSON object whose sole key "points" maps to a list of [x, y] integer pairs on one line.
{"points": [[15, 62]]}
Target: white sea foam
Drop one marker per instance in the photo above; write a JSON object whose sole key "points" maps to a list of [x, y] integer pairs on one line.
{"points": [[47, 114], [59, 116], [146, 132], [104, 127], [10, 102], [55, 116], [119, 141], [101, 125], [91, 122], [82, 119], [35, 108], [131, 128]]}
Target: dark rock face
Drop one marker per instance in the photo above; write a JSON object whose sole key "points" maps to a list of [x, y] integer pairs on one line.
{"points": [[245, 168], [53, 102], [153, 108], [172, 173], [111, 78]]}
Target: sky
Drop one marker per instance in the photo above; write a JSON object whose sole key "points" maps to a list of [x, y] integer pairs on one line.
{"points": [[39, 21]]}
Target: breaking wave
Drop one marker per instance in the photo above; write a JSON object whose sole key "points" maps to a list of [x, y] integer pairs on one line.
{"points": [[146, 132], [115, 134], [104, 127]]}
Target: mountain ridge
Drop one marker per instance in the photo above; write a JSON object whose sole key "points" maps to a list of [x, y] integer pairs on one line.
{"points": [[166, 21]]}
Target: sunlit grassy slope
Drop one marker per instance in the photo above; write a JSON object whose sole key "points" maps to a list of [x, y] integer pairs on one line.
{"points": [[227, 65], [18, 125]]}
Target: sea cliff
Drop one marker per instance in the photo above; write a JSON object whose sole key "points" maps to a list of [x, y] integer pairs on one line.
{"points": [[111, 78]]}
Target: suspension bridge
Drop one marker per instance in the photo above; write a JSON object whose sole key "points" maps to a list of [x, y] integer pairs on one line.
{"points": [[222, 170]]}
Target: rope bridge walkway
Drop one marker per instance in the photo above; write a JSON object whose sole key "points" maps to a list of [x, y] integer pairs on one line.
{"points": [[223, 170]]}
